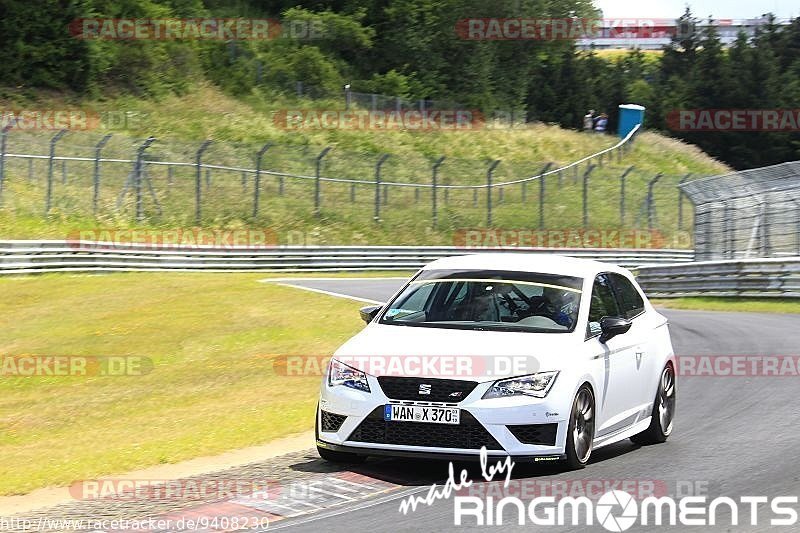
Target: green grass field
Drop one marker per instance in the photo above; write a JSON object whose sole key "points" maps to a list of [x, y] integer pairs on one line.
{"points": [[212, 387], [749, 305]]}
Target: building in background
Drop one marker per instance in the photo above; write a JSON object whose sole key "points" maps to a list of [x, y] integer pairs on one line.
{"points": [[653, 34]]}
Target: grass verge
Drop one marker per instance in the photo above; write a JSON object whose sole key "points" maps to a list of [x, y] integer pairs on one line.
{"points": [[212, 388], [750, 305]]}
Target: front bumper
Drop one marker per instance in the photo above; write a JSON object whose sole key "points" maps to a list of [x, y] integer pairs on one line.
{"points": [[520, 426]]}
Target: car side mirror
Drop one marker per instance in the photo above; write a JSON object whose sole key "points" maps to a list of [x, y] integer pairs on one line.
{"points": [[611, 326], [369, 313]]}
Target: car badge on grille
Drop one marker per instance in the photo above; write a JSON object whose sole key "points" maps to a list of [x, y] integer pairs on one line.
{"points": [[424, 388], [456, 394]]}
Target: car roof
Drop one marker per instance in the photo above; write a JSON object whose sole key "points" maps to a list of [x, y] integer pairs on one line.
{"points": [[526, 262]]}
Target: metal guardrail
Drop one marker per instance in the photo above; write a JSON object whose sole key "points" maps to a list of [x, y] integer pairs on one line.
{"points": [[29, 257], [771, 277]]}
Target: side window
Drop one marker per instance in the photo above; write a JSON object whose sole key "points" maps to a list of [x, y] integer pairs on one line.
{"points": [[603, 304], [416, 300], [630, 301]]}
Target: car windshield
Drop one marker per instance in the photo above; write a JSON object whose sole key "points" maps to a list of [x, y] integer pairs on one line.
{"points": [[488, 300]]}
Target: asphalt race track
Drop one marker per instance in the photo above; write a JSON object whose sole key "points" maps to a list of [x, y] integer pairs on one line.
{"points": [[734, 437]]}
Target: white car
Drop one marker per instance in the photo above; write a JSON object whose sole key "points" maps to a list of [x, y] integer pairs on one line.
{"points": [[543, 358]]}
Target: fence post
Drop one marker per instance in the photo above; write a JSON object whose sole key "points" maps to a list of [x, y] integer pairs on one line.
{"points": [[97, 149], [377, 216], [726, 251], [257, 182], [541, 193], [797, 222], [489, 173], [767, 247], [198, 181], [650, 206], [317, 187], [589, 169], [138, 176], [3, 136], [622, 195], [50, 162], [434, 179], [680, 200]]}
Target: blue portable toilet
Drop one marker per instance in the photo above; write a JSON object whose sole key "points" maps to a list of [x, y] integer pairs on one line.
{"points": [[629, 116]]}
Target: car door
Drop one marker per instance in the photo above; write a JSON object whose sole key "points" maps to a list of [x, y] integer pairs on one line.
{"points": [[619, 392], [631, 306]]}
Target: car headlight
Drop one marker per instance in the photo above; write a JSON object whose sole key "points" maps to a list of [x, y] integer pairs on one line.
{"points": [[536, 385], [342, 374]]}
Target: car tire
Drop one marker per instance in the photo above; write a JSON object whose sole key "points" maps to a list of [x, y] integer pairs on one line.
{"points": [[580, 433], [331, 455], [663, 415]]}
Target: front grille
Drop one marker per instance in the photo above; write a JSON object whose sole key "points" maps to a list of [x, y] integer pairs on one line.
{"points": [[441, 390], [542, 434], [332, 421], [469, 434]]}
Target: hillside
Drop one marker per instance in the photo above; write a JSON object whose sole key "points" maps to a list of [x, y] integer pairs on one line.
{"points": [[240, 126]]}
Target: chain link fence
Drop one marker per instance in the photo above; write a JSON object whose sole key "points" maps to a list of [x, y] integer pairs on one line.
{"points": [[113, 179], [752, 213]]}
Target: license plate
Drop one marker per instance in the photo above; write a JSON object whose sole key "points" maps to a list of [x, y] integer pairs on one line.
{"points": [[418, 413]]}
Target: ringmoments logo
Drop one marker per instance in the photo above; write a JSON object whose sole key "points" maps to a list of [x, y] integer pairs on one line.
{"points": [[618, 510]]}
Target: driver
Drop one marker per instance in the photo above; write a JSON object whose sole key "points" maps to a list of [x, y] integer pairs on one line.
{"points": [[561, 306]]}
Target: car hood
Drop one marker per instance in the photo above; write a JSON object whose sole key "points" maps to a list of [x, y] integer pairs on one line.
{"points": [[455, 353]]}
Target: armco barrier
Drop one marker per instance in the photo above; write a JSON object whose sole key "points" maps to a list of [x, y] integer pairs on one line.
{"points": [[743, 277], [28, 257]]}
